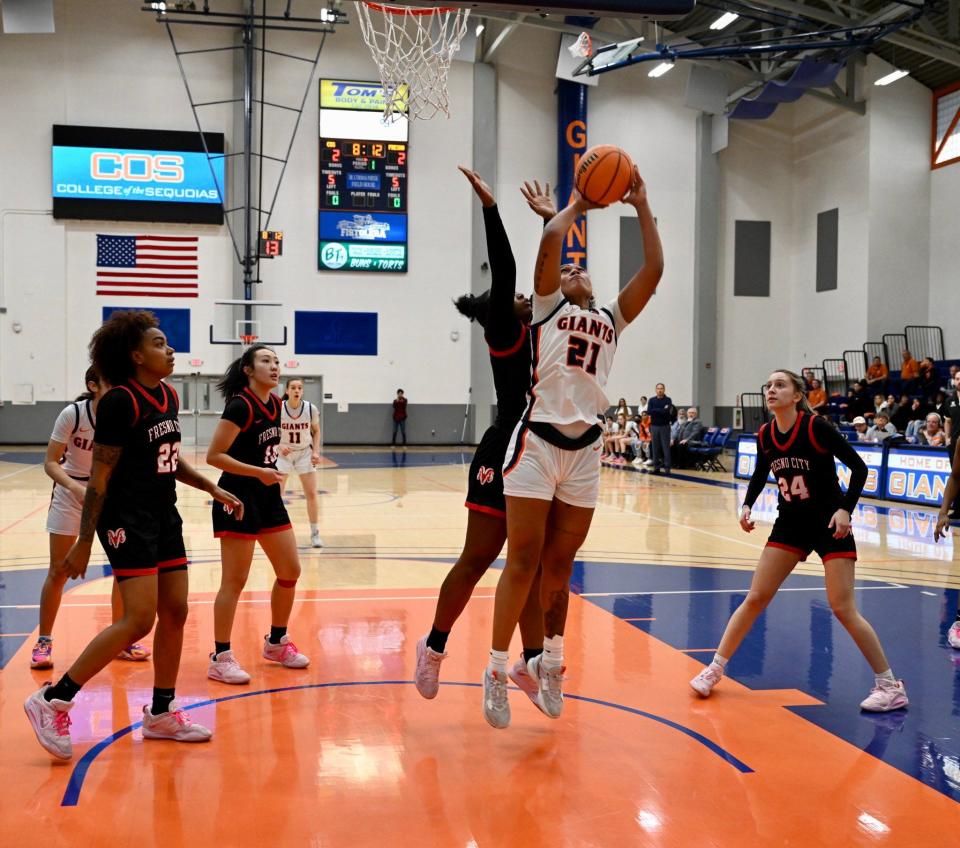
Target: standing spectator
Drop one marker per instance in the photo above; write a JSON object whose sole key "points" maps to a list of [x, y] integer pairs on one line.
{"points": [[860, 425], [817, 397], [929, 380], [877, 375], [900, 417], [691, 430], [918, 414], [909, 371], [399, 417], [881, 429], [932, 432], [859, 403], [661, 410], [642, 406]]}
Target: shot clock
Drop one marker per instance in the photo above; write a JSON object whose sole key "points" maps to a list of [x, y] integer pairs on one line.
{"points": [[271, 244]]}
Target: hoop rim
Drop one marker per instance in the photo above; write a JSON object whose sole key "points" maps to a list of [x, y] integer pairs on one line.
{"points": [[407, 10], [249, 338]]}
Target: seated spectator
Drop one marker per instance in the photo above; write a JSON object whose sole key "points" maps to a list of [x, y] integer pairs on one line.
{"points": [[928, 383], [622, 408], [900, 417], [881, 429], [691, 430], [892, 404], [623, 440], [641, 444], [808, 379], [877, 374], [642, 406], [817, 397], [610, 430], [932, 432], [918, 415], [859, 403], [953, 373], [940, 405], [909, 372], [880, 405], [860, 425]]}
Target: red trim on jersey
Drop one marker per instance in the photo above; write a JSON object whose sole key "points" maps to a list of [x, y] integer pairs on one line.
{"points": [[172, 563], [798, 551], [249, 417], [511, 351], [274, 412], [516, 459], [813, 439], [134, 572], [793, 434], [136, 406], [840, 555], [151, 398], [265, 531], [487, 510], [233, 534], [760, 435], [535, 378]]}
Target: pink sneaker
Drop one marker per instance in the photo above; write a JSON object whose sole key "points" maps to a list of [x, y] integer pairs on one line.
{"points": [[427, 676], [527, 684], [175, 725], [225, 668], [50, 720], [42, 656], [704, 682], [134, 653], [885, 696], [285, 653], [953, 635]]}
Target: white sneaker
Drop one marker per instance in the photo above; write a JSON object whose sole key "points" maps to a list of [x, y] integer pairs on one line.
{"points": [[704, 682], [427, 676], [648, 463], [550, 686], [496, 705], [285, 653], [315, 540], [225, 668], [520, 675], [953, 635], [175, 725], [50, 720]]}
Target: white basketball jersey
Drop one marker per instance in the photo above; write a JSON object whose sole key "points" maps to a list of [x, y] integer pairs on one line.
{"points": [[295, 429], [74, 428], [573, 351]]}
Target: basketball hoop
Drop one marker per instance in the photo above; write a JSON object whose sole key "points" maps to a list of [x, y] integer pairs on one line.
{"points": [[248, 339], [413, 49]]}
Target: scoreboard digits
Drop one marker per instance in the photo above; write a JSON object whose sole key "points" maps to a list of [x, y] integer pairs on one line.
{"points": [[363, 175]]}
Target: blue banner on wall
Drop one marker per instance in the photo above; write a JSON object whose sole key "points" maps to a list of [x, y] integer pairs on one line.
{"points": [[335, 333], [175, 324], [99, 173], [571, 145]]}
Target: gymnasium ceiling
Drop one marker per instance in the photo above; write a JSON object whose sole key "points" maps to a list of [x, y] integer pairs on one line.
{"points": [[928, 47]]}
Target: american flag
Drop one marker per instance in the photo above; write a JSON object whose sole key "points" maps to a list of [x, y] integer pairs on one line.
{"points": [[147, 266]]}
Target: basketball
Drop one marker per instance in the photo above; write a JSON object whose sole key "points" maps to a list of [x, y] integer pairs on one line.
{"points": [[604, 174]]}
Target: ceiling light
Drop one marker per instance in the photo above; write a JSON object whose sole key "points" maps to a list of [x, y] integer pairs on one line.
{"points": [[724, 20], [661, 69], [893, 76], [478, 30]]}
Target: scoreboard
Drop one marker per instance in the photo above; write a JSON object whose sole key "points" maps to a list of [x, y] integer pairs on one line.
{"points": [[363, 181], [359, 174]]}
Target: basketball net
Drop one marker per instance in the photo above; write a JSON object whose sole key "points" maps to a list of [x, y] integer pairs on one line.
{"points": [[247, 339], [413, 49]]}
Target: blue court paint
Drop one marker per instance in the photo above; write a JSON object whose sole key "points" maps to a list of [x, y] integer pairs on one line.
{"points": [[71, 797]]}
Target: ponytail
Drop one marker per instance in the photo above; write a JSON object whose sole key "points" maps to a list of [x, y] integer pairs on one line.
{"points": [[803, 405], [235, 379], [476, 307], [90, 377]]}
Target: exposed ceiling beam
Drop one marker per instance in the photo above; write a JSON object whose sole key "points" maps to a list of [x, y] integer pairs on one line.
{"points": [[502, 36]]}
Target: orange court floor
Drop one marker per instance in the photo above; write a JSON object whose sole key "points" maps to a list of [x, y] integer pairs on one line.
{"points": [[346, 752]]}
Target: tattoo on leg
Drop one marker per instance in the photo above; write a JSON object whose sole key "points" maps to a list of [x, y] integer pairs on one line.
{"points": [[555, 615]]}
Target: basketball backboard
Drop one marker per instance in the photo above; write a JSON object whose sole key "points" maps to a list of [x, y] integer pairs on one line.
{"points": [[235, 321], [645, 9]]}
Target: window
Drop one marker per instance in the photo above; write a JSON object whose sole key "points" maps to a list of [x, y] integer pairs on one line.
{"points": [[945, 148]]}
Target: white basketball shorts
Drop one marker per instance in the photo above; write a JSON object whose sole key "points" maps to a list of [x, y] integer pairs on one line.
{"points": [[297, 462], [533, 468], [63, 517]]}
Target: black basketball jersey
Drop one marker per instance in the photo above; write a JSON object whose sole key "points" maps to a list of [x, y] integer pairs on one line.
{"points": [[802, 464], [144, 422], [511, 378], [258, 441]]}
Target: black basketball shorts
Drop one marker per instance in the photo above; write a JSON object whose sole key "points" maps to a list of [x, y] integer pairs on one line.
{"points": [[140, 542], [263, 510], [485, 486], [803, 534]]}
